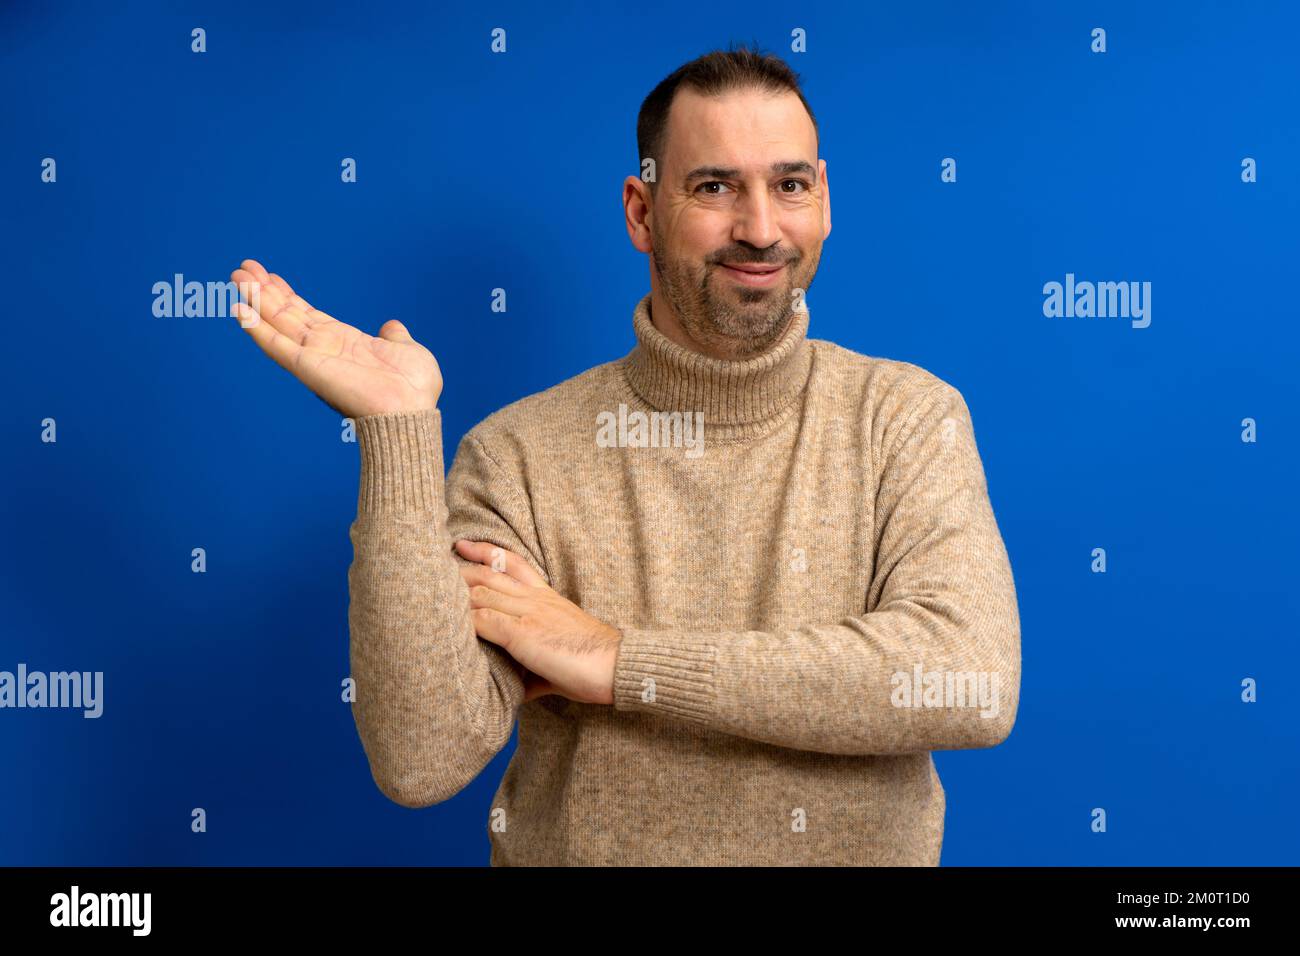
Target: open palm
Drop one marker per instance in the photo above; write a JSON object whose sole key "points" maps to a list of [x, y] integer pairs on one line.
{"points": [[354, 373]]}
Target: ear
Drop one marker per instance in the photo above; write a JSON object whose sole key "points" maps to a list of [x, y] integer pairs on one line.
{"points": [[826, 197], [638, 207]]}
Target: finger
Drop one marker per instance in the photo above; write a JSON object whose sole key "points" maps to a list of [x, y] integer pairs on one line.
{"points": [[255, 273], [256, 269], [482, 574], [271, 306], [281, 283], [482, 596], [394, 331], [535, 686], [485, 552], [324, 334], [313, 317], [285, 350], [270, 280], [270, 299], [305, 325], [303, 362], [495, 627], [294, 298]]}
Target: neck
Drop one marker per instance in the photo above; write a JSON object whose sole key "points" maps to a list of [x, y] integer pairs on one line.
{"points": [[667, 321], [738, 397]]}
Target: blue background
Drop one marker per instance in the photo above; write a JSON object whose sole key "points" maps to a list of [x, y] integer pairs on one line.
{"points": [[477, 171]]}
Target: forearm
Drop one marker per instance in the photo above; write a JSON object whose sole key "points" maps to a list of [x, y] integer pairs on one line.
{"points": [[433, 703], [845, 688], [945, 622]]}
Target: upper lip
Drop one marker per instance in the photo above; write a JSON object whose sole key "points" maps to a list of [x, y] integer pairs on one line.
{"points": [[754, 266]]}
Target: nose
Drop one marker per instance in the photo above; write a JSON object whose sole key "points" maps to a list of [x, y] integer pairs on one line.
{"points": [[755, 221]]}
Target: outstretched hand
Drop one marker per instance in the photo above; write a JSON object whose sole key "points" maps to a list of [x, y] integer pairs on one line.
{"points": [[354, 373]]}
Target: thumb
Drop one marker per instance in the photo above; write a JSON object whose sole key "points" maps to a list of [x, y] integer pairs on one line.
{"points": [[536, 686], [394, 331]]}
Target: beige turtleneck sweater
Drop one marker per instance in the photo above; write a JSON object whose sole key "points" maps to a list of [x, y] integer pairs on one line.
{"points": [[809, 607]]}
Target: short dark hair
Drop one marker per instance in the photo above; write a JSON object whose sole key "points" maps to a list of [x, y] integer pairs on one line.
{"points": [[712, 74]]}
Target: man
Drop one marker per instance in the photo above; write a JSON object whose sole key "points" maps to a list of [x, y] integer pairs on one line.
{"points": [[735, 651]]}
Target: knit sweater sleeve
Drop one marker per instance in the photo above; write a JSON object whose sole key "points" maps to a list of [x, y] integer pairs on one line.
{"points": [[932, 664], [434, 703]]}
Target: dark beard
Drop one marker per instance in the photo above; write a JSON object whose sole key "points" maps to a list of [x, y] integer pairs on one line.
{"points": [[720, 324]]}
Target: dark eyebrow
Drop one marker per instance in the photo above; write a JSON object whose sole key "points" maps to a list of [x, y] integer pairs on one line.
{"points": [[728, 172]]}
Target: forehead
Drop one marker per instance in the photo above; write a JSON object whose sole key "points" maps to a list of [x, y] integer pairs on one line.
{"points": [[740, 128]]}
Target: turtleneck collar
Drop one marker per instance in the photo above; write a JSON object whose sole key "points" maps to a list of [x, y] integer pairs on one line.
{"points": [[739, 398]]}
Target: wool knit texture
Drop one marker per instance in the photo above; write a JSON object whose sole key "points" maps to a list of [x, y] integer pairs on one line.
{"points": [[833, 542]]}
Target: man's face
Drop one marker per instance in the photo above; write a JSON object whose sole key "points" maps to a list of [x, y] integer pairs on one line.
{"points": [[740, 185]]}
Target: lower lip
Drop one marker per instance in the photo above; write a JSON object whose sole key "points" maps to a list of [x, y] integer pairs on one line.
{"points": [[753, 278]]}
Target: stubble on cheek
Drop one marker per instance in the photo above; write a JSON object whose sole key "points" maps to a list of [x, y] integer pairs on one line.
{"points": [[723, 314]]}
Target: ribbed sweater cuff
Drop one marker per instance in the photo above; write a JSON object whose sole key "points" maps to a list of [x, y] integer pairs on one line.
{"points": [[401, 461], [665, 672]]}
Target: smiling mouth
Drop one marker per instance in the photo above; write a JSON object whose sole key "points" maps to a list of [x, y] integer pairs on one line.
{"points": [[753, 273], [754, 266]]}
